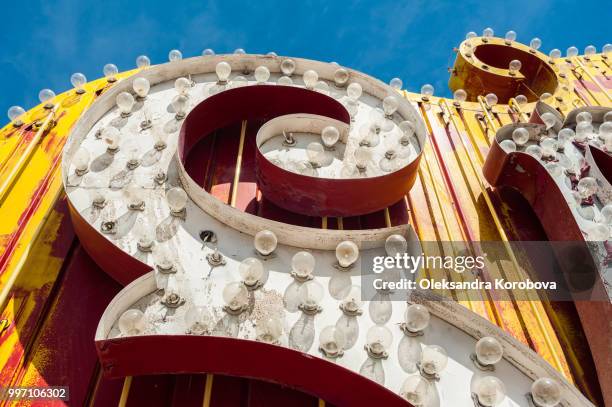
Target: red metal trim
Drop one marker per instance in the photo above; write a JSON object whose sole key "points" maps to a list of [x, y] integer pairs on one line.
{"points": [[141, 355]]}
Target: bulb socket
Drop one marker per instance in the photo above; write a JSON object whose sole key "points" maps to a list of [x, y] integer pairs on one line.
{"points": [[215, 259], [481, 366], [80, 91], [173, 300], [309, 309], [331, 354], [182, 214], [132, 164], [235, 311], [375, 353], [137, 206], [408, 332], [350, 310]]}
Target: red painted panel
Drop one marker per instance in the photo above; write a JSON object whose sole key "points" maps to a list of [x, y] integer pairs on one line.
{"points": [[151, 391], [262, 394]]}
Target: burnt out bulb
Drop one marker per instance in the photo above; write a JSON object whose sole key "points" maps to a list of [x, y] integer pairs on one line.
{"points": [[132, 322], [223, 71], [490, 391], [347, 253], [141, 87], [265, 242], [125, 102], [110, 72], [546, 392], [303, 264], [310, 78], [416, 318], [488, 351], [330, 136], [177, 199], [251, 270], [262, 74]]}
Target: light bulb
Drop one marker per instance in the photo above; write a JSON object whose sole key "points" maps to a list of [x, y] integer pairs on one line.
{"points": [[134, 195], [379, 339], [132, 322], [491, 99], [606, 215], [110, 71], [177, 199], [598, 232], [331, 341], [571, 52], [520, 136], [144, 231], [396, 83], [363, 156], [262, 74], [199, 320], [15, 115], [310, 293], [433, 359], [272, 54], [490, 391], [510, 36], [414, 390], [303, 264], [269, 329], [330, 136], [521, 100], [395, 244], [487, 33], [285, 80], [239, 81], [583, 130], [564, 136], [416, 318], [81, 161], [535, 43], [586, 187], [175, 55], [514, 66], [45, 97], [208, 52], [390, 105], [239, 51], [554, 53], [265, 242], [111, 135], [549, 120], [315, 153], [125, 102], [322, 87], [534, 151], [354, 91], [251, 270], [223, 71], [179, 104], [585, 117], [287, 66], [351, 302], [310, 78], [549, 146], [427, 90], [508, 146], [460, 95], [341, 77], [606, 49], [347, 253], [236, 296], [143, 61], [182, 86], [488, 351], [470, 35], [546, 392], [141, 86], [590, 50], [78, 80], [608, 116], [605, 130]]}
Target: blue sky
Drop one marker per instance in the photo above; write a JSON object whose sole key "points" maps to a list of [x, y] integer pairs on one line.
{"points": [[44, 42]]}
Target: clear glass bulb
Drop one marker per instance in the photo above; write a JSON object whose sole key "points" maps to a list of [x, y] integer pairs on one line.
{"points": [[132, 322], [565, 135], [396, 244], [15, 114], [239, 51], [515, 65], [583, 130], [45, 95], [239, 81], [177, 199], [427, 89], [605, 130], [534, 151], [78, 80], [590, 50], [111, 136], [470, 35], [363, 156], [144, 231], [571, 52], [287, 66], [510, 36], [235, 295], [311, 293], [416, 317], [262, 74], [606, 215], [265, 242], [396, 83], [180, 104], [330, 136], [549, 120], [141, 87], [303, 264], [315, 153], [555, 53], [606, 49], [332, 340], [488, 350], [182, 86], [379, 338], [508, 146], [415, 389], [549, 146], [487, 33], [535, 43], [546, 392], [585, 117], [341, 77], [490, 391], [390, 105], [586, 187], [269, 329], [251, 270], [352, 301], [175, 55], [554, 169], [491, 99], [143, 61], [223, 71], [110, 71], [520, 136], [521, 100], [285, 80], [347, 253], [354, 90], [207, 52], [272, 54], [125, 102], [199, 320], [460, 95], [310, 78], [598, 232], [80, 161], [433, 359]]}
